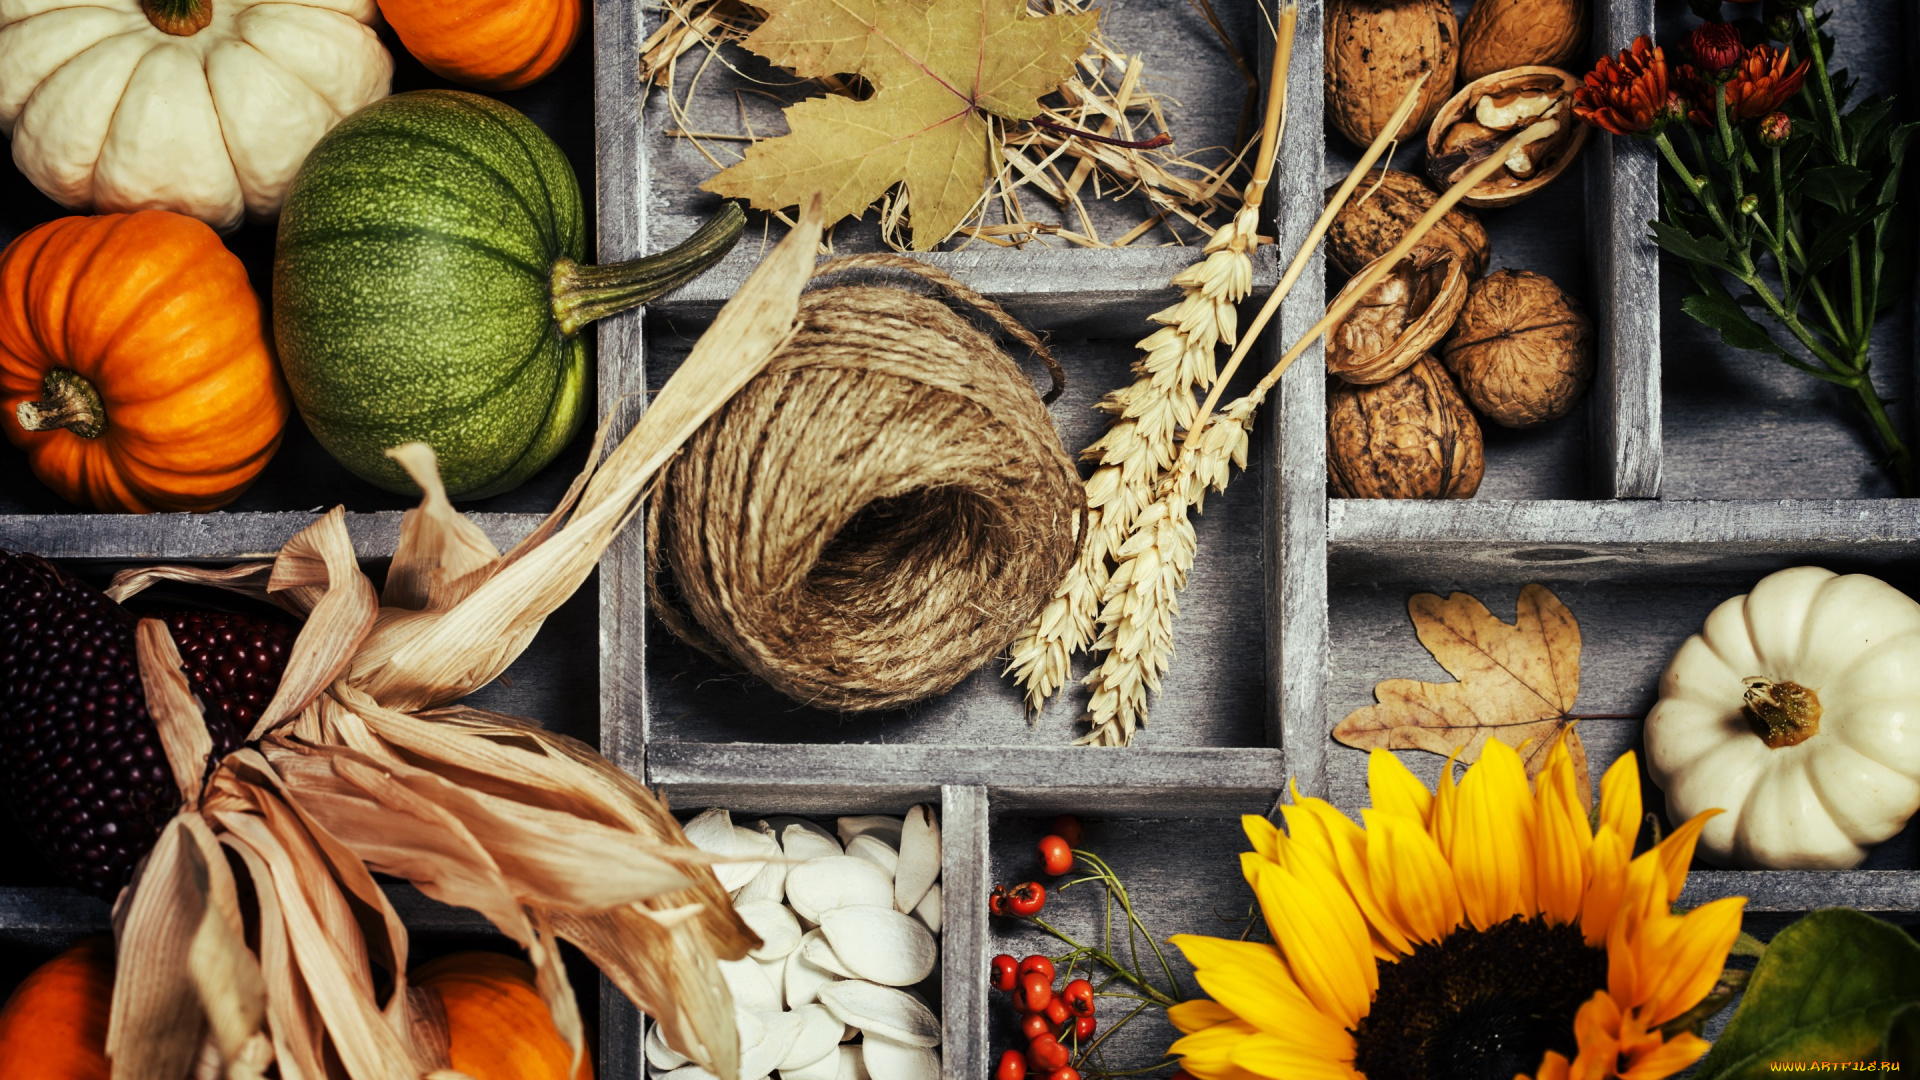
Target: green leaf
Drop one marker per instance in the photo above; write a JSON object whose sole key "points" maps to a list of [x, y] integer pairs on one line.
{"points": [[1826, 991], [1675, 240], [1902, 1041], [1831, 237], [1714, 307], [1834, 185]]}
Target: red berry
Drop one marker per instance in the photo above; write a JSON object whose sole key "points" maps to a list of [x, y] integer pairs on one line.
{"points": [[1026, 899], [1056, 855], [1037, 963], [1079, 997], [1034, 994], [1068, 828], [1005, 974], [1046, 1054], [1034, 1025], [1013, 1066], [1064, 1072], [1083, 1028], [998, 902], [1057, 1012]]}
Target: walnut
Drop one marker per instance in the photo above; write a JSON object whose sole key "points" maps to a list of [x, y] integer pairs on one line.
{"points": [[1375, 51], [1533, 102], [1522, 349], [1398, 319], [1376, 218], [1502, 34], [1411, 437]]}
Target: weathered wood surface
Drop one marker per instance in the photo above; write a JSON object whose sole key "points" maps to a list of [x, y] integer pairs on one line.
{"points": [[965, 880], [215, 537]]}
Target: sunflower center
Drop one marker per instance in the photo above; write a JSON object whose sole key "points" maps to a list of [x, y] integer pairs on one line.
{"points": [[1481, 1005]]}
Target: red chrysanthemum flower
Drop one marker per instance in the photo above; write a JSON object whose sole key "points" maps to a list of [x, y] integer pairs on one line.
{"points": [[1716, 47], [1758, 86], [1626, 96]]}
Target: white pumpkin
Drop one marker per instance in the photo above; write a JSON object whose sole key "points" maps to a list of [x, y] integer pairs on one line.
{"points": [[210, 117], [1840, 770]]}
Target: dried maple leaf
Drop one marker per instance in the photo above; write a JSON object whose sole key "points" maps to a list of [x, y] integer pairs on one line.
{"points": [[1517, 683], [937, 68]]}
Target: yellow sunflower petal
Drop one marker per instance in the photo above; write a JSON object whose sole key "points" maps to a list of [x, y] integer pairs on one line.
{"points": [[1264, 835], [1446, 795], [1192, 1016], [1691, 961], [1250, 864], [1307, 833], [1348, 843], [1676, 852], [1607, 863], [1673, 1057], [1597, 1029], [1267, 1055], [1395, 789], [1493, 838], [1554, 1067], [1212, 1047], [1417, 885], [1630, 975], [1314, 920], [1620, 797], [1252, 981], [1565, 838], [1228, 1071]]}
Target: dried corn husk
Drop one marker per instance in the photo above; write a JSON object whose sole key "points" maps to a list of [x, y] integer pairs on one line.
{"points": [[364, 763]]}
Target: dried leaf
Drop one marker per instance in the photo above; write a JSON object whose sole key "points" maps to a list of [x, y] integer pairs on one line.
{"points": [[156, 1023], [320, 560], [938, 68], [442, 555], [1517, 683], [176, 714], [247, 579]]}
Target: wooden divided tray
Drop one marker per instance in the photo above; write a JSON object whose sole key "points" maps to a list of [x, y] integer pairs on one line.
{"points": [[1693, 471]]}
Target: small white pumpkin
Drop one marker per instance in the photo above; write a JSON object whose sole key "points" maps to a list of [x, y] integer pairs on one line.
{"points": [[1796, 710], [202, 107]]}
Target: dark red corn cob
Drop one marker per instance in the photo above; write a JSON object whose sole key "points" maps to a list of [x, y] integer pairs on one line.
{"points": [[79, 754]]}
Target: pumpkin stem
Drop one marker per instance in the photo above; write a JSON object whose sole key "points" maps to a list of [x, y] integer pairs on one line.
{"points": [[72, 403], [181, 18], [582, 294], [1781, 713]]}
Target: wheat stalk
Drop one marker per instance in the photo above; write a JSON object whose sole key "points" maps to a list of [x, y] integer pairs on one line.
{"points": [[1142, 439], [1142, 597]]}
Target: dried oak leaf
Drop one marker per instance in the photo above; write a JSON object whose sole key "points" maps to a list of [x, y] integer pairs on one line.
{"points": [[1517, 682], [937, 68]]}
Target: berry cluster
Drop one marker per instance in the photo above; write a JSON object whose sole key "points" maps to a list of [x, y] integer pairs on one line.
{"points": [[1047, 1017]]}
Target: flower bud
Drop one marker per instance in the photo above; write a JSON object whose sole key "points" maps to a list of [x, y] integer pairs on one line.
{"points": [[1779, 19], [1749, 203], [1775, 129], [1716, 47], [1675, 110]]}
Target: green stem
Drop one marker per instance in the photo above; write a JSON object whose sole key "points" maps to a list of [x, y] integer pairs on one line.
{"points": [[1109, 961], [179, 18], [1697, 185], [583, 294], [1780, 228], [1826, 91]]}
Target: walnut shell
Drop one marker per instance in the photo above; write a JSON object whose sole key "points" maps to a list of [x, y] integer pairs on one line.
{"points": [[1502, 34], [1375, 220], [1411, 437], [1375, 51], [1401, 317], [1487, 112], [1522, 349]]}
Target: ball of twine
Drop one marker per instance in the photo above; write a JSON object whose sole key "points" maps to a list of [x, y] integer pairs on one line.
{"points": [[879, 512]]}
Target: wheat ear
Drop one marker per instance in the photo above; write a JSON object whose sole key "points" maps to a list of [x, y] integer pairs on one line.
{"points": [[1142, 598], [1142, 437]]}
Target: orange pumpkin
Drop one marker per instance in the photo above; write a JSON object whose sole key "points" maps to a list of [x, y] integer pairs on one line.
{"points": [[486, 43], [498, 1026], [134, 364], [54, 1027]]}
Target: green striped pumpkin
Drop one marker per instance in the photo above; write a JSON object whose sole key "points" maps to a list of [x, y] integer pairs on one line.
{"points": [[428, 286]]}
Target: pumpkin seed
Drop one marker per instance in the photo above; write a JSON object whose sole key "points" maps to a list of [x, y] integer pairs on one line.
{"points": [[884, 826], [838, 881], [713, 831], [889, 1060], [882, 1011], [919, 864], [771, 882], [659, 1054], [853, 1064], [879, 944], [804, 979], [820, 954], [750, 988], [817, 1036], [826, 1068], [778, 1030], [876, 851], [778, 930], [928, 910]]}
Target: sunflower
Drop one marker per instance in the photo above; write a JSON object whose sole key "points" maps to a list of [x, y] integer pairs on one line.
{"points": [[1484, 931]]}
